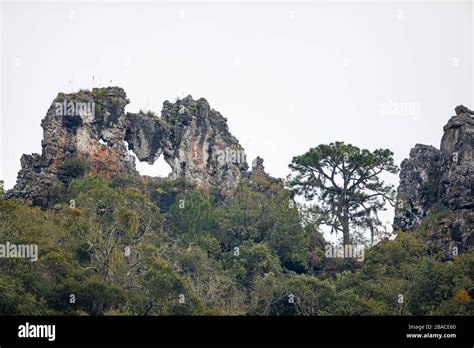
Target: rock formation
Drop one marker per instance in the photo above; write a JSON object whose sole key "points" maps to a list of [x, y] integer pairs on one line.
{"points": [[88, 132], [194, 140], [85, 127], [432, 178]]}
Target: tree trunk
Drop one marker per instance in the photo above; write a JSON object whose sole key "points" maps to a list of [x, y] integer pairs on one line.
{"points": [[345, 230]]}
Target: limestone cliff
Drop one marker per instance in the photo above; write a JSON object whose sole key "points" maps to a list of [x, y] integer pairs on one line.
{"points": [[432, 178], [89, 131], [85, 127], [194, 140]]}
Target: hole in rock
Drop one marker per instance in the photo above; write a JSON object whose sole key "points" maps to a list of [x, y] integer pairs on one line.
{"points": [[159, 168]]}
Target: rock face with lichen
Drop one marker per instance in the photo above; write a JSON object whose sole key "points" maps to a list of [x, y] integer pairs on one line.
{"points": [[194, 140], [432, 179], [82, 132], [89, 132]]}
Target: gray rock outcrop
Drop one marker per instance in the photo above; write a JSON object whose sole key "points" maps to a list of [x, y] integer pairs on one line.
{"points": [[89, 132], [82, 132], [431, 179], [194, 140]]}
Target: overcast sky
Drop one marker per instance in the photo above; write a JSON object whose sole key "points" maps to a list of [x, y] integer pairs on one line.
{"points": [[288, 76]]}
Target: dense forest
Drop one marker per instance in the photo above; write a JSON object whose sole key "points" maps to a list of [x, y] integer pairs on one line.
{"points": [[120, 245]]}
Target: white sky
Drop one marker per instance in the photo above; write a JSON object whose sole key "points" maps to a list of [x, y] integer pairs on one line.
{"points": [[288, 76]]}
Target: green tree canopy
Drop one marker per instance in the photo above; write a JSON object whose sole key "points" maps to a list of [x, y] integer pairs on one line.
{"points": [[345, 182], [263, 211], [193, 215]]}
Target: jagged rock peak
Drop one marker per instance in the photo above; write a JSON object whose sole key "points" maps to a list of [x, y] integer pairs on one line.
{"points": [[82, 131], [257, 165], [431, 178], [194, 140], [92, 126], [461, 109]]}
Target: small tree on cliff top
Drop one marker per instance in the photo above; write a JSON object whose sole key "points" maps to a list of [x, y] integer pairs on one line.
{"points": [[345, 182]]}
